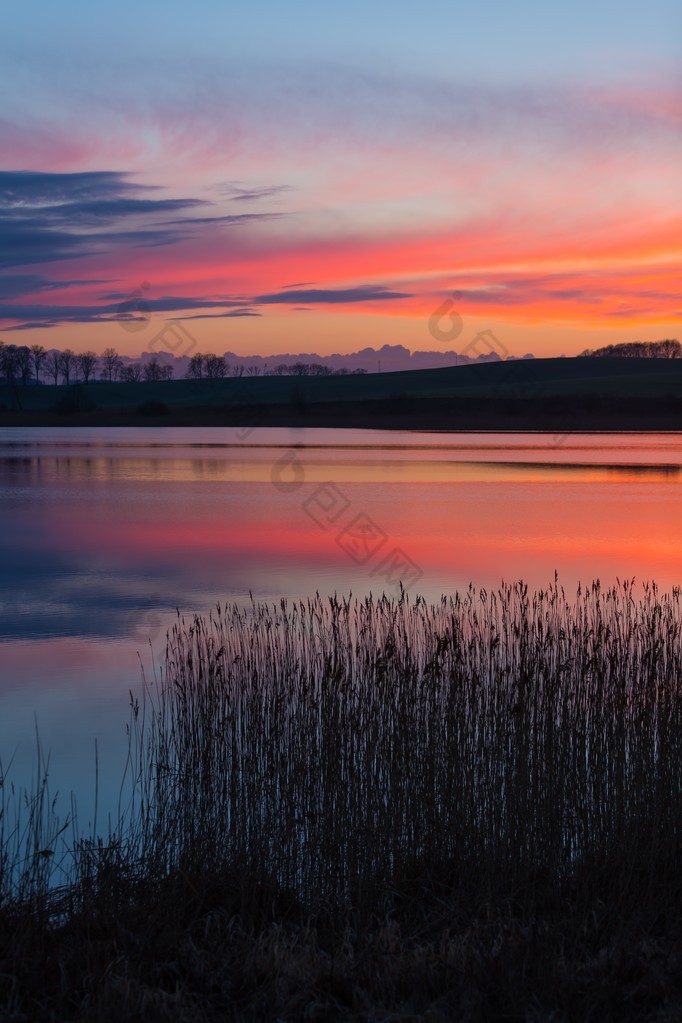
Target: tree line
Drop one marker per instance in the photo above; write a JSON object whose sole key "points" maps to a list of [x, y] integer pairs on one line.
{"points": [[669, 348], [214, 367], [27, 364]]}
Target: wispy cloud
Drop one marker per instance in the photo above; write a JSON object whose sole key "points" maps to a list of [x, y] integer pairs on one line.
{"points": [[117, 306], [239, 194], [49, 217], [230, 220], [55, 315], [330, 296], [14, 286], [26, 189]]}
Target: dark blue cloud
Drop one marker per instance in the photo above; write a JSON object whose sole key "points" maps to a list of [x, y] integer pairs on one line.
{"points": [[36, 188], [329, 296], [122, 311], [52, 217], [98, 211], [15, 285], [236, 218], [242, 311], [25, 244], [31, 325], [118, 307]]}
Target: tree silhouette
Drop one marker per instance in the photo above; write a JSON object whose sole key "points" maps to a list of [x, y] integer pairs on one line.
{"points": [[53, 365], [87, 364], [38, 355], [668, 348], [24, 363], [112, 364], [67, 363], [195, 370], [214, 367], [8, 362], [131, 374]]}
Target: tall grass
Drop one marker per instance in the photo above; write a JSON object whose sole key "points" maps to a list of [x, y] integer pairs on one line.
{"points": [[33, 849], [491, 737], [473, 805]]}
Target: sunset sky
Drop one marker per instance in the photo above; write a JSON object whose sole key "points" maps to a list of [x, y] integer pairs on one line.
{"points": [[311, 177]]}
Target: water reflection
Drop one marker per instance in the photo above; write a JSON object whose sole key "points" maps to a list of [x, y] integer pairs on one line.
{"points": [[255, 466], [105, 534], [91, 541]]}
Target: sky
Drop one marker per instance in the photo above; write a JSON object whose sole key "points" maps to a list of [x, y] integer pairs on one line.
{"points": [[271, 178]]}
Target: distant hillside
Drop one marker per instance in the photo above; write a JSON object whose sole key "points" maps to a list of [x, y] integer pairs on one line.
{"points": [[387, 359], [539, 394]]}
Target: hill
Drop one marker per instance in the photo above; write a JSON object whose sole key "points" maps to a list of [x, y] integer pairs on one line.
{"points": [[539, 394]]}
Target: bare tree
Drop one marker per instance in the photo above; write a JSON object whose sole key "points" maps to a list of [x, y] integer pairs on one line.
{"points": [[24, 363], [9, 362], [195, 370], [38, 356], [166, 371], [87, 364], [152, 369], [214, 366], [670, 348], [53, 365], [253, 371], [132, 373], [237, 370], [67, 364], [111, 364], [666, 349]]}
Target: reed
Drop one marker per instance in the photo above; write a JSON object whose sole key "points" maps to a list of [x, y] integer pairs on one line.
{"points": [[475, 800], [490, 738]]}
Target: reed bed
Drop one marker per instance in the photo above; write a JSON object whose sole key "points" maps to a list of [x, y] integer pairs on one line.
{"points": [[334, 743], [497, 774]]}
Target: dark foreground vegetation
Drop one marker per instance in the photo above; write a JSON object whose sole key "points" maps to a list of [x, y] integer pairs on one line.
{"points": [[378, 810], [554, 395]]}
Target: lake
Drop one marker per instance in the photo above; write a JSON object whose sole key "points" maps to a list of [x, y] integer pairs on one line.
{"points": [[107, 533]]}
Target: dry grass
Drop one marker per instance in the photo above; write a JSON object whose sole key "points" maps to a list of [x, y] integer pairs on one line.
{"points": [[380, 810]]}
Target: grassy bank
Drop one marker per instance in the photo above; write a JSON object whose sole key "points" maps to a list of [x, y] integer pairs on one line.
{"points": [[559, 395], [378, 810]]}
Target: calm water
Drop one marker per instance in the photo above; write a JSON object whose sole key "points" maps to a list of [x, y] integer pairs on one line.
{"points": [[105, 533]]}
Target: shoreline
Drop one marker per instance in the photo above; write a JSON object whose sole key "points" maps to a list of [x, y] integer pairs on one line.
{"points": [[426, 417]]}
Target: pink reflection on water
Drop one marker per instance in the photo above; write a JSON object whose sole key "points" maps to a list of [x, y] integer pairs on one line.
{"points": [[97, 548]]}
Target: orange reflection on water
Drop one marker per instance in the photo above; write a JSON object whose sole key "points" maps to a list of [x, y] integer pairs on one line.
{"points": [[583, 523]]}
